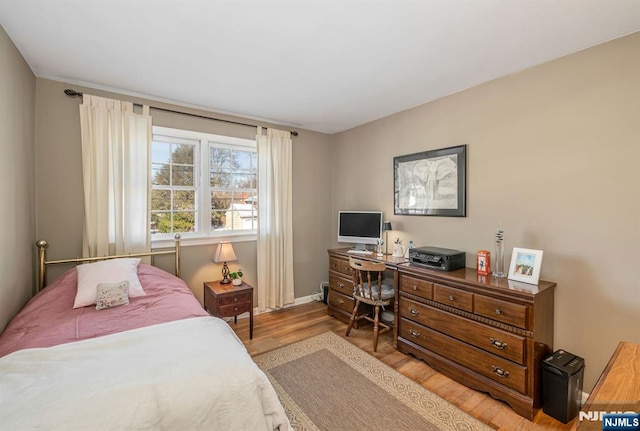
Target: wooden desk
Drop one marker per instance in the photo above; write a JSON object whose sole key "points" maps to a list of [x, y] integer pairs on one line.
{"points": [[340, 302], [617, 389]]}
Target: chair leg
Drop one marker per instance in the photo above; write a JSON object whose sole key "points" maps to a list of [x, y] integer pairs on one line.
{"points": [[353, 317], [376, 328]]}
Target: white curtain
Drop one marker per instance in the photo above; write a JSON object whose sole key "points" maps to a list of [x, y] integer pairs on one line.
{"points": [[115, 171], [275, 227]]}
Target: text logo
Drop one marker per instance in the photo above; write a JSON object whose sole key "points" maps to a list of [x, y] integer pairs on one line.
{"points": [[621, 422]]}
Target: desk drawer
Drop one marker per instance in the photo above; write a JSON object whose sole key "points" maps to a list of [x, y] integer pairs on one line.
{"points": [[340, 265], [493, 340], [502, 311], [497, 369], [340, 301], [453, 297], [415, 286], [341, 284]]}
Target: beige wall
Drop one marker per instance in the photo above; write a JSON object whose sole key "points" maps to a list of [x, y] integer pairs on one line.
{"points": [[553, 155], [60, 201], [17, 190]]}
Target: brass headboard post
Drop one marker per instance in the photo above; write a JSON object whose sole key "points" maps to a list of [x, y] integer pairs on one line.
{"points": [[43, 262], [176, 238], [42, 268]]}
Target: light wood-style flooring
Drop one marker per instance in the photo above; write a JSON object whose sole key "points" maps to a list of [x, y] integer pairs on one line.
{"points": [[276, 329]]}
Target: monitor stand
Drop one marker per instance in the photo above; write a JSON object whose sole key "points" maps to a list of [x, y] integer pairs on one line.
{"points": [[360, 247]]}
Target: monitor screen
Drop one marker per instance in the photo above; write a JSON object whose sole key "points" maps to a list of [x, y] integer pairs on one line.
{"points": [[360, 227]]}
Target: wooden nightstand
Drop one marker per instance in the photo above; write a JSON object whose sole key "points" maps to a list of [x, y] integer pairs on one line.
{"points": [[227, 300]]}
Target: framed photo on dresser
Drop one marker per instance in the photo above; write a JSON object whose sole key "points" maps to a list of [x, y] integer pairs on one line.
{"points": [[525, 265]]}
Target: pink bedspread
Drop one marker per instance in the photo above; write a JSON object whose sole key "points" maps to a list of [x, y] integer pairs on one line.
{"points": [[50, 319]]}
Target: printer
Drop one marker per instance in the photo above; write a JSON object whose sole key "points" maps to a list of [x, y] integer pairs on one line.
{"points": [[442, 259]]}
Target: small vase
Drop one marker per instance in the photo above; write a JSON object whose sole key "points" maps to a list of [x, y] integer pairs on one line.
{"points": [[237, 281]]}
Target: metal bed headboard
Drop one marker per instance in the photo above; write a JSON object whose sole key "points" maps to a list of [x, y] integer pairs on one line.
{"points": [[43, 262]]}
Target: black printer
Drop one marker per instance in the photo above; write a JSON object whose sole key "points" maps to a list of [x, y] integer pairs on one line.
{"points": [[442, 259]]}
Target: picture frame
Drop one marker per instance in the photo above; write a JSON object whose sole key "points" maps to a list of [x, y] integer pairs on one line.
{"points": [[525, 265], [431, 183]]}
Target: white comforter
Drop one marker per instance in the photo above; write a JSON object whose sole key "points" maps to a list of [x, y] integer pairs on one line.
{"points": [[185, 375]]}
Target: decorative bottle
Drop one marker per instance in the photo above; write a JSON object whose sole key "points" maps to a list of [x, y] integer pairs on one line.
{"points": [[498, 260]]}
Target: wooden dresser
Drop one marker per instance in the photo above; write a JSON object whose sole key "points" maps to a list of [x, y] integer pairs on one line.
{"points": [[489, 334]]}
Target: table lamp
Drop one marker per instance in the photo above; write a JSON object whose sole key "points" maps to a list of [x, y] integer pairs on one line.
{"points": [[224, 253], [386, 227]]}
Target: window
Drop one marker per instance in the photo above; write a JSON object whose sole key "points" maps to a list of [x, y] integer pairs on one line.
{"points": [[202, 185]]}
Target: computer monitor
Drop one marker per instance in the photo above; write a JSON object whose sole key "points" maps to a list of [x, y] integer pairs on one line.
{"points": [[360, 227]]}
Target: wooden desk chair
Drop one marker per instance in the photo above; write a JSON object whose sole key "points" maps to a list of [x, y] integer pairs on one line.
{"points": [[365, 275]]}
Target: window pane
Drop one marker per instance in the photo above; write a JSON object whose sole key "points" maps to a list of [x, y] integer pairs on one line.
{"points": [[160, 152], [220, 179], [182, 175], [160, 174], [161, 222], [221, 159], [160, 200], [218, 220], [184, 221], [243, 160], [242, 181], [221, 200], [184, 200], [183, 154]]}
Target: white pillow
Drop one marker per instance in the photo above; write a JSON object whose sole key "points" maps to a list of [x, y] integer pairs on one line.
{"points": [[106, 271]]}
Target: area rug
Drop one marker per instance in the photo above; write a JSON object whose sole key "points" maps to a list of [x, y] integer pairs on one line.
{"points": [[327, 383]]}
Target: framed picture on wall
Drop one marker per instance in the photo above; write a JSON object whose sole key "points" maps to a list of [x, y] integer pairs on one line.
{"points": [[525, 265], [431, 183]]}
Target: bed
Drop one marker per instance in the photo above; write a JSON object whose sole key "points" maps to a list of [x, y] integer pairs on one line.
{"points": [[157, 362]]}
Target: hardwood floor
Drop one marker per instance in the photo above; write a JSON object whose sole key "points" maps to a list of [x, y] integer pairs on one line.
{"points": [[276, 329]]}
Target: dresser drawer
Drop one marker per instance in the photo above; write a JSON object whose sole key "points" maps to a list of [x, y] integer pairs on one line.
{"points": [[341, 284], [493, 340], [340, 301], [415, 286], [497, 369], [234, 309], [234, 299], [502, 311], [454, 297], [340, 265]]}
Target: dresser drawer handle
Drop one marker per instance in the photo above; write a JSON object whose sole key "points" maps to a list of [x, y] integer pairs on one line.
{"points": [[340, 301], [498, 311], [415, 287], [235, 308], [413, 311], [498, 344], [414, 333], [500, 372], [235, 299], [451, 298]]}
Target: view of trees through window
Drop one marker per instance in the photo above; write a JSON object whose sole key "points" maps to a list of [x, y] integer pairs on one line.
{"points": [[182, 198]]}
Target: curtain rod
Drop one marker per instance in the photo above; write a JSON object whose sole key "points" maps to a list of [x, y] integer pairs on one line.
{"points": [[73, 93]]}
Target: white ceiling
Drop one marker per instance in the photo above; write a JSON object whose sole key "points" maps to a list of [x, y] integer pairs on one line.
{"points": [[320, 65]]}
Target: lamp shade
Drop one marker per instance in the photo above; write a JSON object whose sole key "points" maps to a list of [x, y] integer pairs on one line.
{"points": [[386, 225], [224, 253]]}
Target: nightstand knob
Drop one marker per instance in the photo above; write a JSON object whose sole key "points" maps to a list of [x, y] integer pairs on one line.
{"points": [[235, 308], [235, 299]]}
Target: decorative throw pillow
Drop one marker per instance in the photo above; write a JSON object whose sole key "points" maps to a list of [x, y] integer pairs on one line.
{"points": [[112, 295], [106, 271]]}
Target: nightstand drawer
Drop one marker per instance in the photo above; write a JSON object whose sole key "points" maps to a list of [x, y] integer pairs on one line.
{"points": [[234, 309], [234, 299]]}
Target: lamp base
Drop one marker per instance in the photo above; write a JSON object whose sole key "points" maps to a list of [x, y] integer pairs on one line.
{"points": [[225, 281]]}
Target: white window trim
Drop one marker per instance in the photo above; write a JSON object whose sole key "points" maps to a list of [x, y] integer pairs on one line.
{"points": [[203, 189]]}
